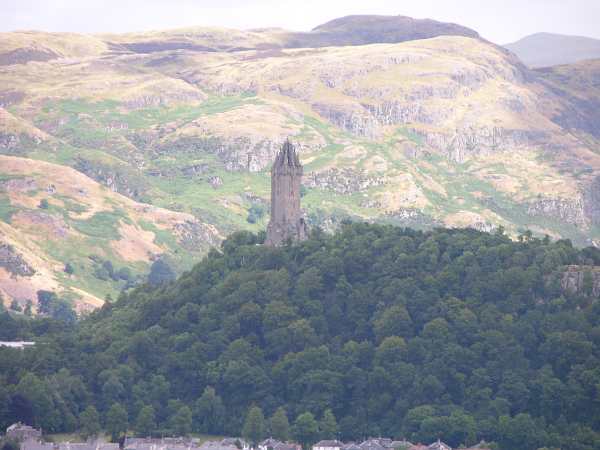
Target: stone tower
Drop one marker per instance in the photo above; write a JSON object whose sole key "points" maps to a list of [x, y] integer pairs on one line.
{"points": [[286, 217]]}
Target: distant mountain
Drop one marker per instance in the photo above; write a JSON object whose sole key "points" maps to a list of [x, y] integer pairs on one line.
{"points": [[547, 49], [367, 29]]}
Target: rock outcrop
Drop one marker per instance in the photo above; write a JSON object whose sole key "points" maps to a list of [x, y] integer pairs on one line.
{"points": [[566, 210], [581, 280], [196, 236], [592, 202], [475, 141], [13, 262], [343, 181], [122, 180]]}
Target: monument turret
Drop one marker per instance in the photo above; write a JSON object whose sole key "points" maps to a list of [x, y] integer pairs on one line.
{"points": [[286, 221]]}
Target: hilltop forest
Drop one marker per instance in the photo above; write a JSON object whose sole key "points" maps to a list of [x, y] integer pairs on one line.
{"points": [[374, 330]]}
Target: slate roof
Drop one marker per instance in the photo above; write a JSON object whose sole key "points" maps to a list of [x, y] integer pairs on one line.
{"points": [[76, 446], [371, 444], [439, 445], [481, 446], [232, 441], [22, 429], [107, 446], [35, 445], [286, 446], [213, 445], [351, 446]]}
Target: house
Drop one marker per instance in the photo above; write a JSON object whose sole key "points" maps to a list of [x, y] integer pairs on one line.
{"points": [[328, 445], [439, 445], [287, 446], [170, 446], [214, 445], [76, 446], [481, 446], [171, 443], [402, 445], [269, 444], [372, 444], [107, 446], [236, 442], [21, 432], [36, 445]]}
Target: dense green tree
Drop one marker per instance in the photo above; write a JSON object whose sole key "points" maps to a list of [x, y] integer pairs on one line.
{"points": [[520, 432], [279, 425], [15, 306], [254, 426], [63, 311], [328, 427], [209, 412], [180, 422], [160, 273], [305, 430], [116, 421], [145, 423], [113, 391], [28, 309], [89, 423], [39, 396], [124, 273], [45, 301]]}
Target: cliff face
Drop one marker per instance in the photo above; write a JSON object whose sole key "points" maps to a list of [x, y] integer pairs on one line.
{"points": [[592, 201], [582, 279]]}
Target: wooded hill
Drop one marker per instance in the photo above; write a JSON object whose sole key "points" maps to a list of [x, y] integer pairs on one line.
{"points": [[456, 334]]}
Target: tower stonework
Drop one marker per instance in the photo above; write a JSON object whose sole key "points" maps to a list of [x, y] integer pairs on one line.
{"points": [[286, 217]]}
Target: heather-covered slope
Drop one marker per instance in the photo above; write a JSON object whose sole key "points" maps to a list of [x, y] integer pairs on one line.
{"points": [[64, 232], [450, 130]]}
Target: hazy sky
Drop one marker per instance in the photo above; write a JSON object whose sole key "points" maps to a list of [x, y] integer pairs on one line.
{"points": [[501, 21]]}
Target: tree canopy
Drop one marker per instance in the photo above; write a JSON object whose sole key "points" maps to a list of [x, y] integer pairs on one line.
{"points": [[372, 331]]}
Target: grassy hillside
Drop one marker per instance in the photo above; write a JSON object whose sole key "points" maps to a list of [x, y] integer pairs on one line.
{"points": [[452, 334], [48, 223], [445, 131]]}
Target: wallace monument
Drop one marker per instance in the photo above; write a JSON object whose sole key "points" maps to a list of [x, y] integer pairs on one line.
{"points": [[286, 217]]}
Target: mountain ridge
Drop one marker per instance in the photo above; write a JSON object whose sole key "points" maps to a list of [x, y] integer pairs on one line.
{"points": [[349, 30]]}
